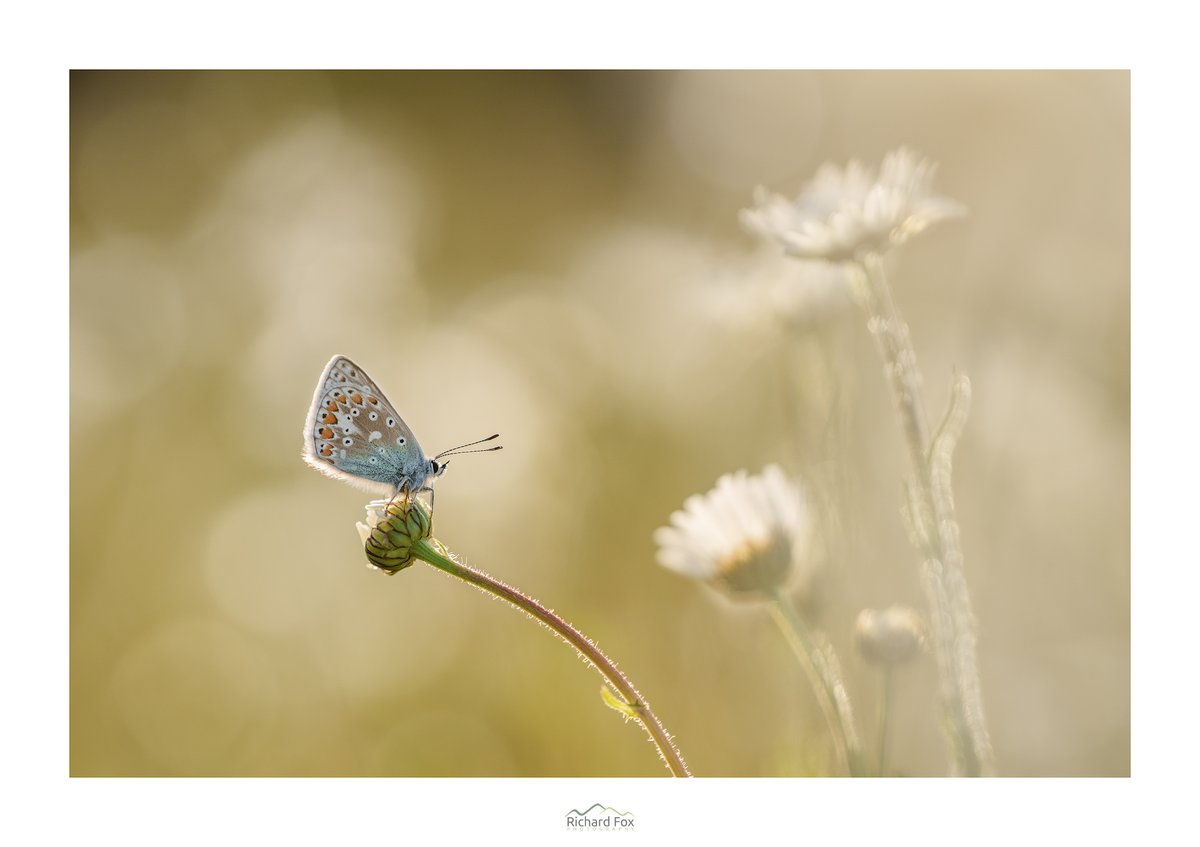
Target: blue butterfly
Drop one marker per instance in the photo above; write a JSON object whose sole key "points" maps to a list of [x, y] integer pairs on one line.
{"points": [[354, 434]]}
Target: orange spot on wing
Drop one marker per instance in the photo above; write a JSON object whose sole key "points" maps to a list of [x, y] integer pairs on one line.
{"points": [[356, 398], [326, 432], [331, 405], [326, 451], [329, 417], [373, 401]]}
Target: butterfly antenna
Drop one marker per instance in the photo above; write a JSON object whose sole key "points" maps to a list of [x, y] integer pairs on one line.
{"points": [[459, 451]]}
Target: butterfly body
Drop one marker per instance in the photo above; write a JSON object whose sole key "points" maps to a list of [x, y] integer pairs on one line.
{"points": [[354, 434]]}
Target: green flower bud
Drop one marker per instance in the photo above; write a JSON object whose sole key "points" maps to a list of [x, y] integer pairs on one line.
{"points": [[392, 531]]}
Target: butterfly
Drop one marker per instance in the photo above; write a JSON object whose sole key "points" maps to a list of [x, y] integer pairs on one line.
{"points": [[354, 434]]}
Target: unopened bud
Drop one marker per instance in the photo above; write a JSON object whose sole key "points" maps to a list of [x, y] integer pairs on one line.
{"points": [[392, 530], [889, 636]]}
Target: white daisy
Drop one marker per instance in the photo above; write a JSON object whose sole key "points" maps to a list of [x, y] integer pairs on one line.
{"points": [[743, 536], [843, 213], [767, 290]]}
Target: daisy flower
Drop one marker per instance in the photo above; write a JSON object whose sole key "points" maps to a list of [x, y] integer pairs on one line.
{"points": [[845, 212], [744, 536], [767, 291]]}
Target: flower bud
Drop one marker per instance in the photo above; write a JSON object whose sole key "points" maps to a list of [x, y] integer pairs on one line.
{"points": [[889, 636], [392, 530]]}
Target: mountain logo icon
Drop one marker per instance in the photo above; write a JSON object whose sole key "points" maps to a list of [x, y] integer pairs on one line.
{"points": [[598, 816]]}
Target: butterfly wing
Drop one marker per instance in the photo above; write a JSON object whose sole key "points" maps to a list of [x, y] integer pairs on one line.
{"points": [[354, 434]]}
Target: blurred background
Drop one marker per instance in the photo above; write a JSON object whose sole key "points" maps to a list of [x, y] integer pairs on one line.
{"points": [[557, 257]]}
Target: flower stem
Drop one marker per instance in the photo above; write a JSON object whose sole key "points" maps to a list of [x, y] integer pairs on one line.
{"points": [[824, 674], [932, 504], [435, 554], [885, 717]]}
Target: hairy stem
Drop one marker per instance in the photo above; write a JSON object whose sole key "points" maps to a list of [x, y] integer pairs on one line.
{"points": [[932, 504], [436, 555]]}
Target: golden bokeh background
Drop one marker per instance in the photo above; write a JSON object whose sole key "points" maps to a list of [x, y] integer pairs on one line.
{"points": [[538, 254]]}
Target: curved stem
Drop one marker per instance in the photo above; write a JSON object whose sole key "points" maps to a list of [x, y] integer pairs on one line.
{"points": [[432, 552], [821, 666]]}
